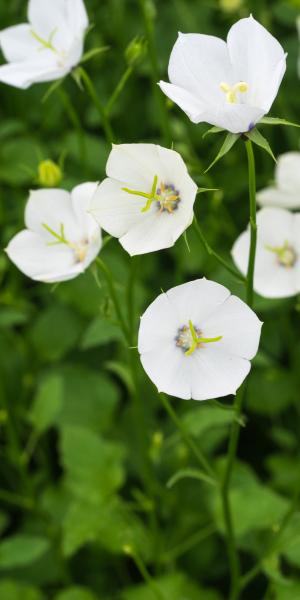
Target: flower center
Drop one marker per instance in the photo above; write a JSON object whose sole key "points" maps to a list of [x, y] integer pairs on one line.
{"points": [[80, 249], [189, 338], [166, 196], [286, 254], [48, 45], [231, 91]]}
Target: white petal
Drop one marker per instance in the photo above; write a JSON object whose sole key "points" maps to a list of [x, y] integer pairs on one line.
{"points": [[136, 164], [238, 325], [272, 196], [165, 367], [49, 19], [187, 101], [288, 173], [116, 211], [196, 300], [81, 197], [215, 373], [274, 226], [23, 74], [258, 59], [31, 254], [52, 207], [199, 63], [76, 16], [158, 325], [236, 118], [17, 43]]}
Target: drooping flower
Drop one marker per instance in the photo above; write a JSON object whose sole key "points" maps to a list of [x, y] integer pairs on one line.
{"points": [[196, 341], [147, 199], [48, 46], [286, 191], [230, 85], [61, 239], [277, 265]]}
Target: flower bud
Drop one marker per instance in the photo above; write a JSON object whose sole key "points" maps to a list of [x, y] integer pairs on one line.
{"points": [[135, 51], [230, 5], [49, 174]]}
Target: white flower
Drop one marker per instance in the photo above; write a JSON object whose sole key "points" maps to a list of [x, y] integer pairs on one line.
{"points": [[228, 85], [196, 341], [286, 191], [48, 46], [147, 200], [61, 238], [277, 265]]}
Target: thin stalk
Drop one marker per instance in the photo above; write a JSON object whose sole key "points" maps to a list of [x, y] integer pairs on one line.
{"points": [[186, 437], [253, 226], [118, 90], [111, 286], [212, 252], [100, 108], [140, 565], [149, 31], [231, 455], [75, 121], [186, 545]]}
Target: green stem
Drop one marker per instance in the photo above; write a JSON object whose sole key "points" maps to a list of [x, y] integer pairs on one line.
{"points": [[75, 121], [101, 110], [111, 286], [188, 543], [149, 30], [140, 565], [186, 437], [253, 227], [118, 90], [230, 536], [212, 252]]}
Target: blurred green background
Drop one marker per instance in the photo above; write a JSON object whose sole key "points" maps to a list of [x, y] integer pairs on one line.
{"points": [[75, 491]]}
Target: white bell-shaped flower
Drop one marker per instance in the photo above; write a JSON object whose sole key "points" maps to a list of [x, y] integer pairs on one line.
{"points": [[147, 199], [196, 341], [277, 264], [61, 239], [230, 85], [286, 191], [48, 46]]}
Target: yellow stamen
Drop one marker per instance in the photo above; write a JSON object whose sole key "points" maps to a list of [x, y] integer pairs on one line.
{"points": [[286, 254], [231, 91]]}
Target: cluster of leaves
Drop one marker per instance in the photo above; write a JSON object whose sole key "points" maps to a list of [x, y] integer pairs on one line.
{"points": [[98, 500]]}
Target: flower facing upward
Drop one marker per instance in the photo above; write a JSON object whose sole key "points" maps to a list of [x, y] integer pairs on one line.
{"points": [[230, 85], [61, 238], [48, 46], [277, 265], [196, 341], [286, 191], [147, 200]]}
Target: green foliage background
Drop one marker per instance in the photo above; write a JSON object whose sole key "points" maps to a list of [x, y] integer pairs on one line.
{"points": [[81, 476]]}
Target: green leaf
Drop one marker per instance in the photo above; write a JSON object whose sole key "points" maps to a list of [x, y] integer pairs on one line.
{"points": [[47, 403], [111, 524], [20, 550], [271, 390], [93, 52], [287, 591], [99, 332], [189, 473], [174, 586], [276, 121], [14, 590], [213, 130], [75, 593], [230, 140], [93, 467], [257, 138], [55, 332], [100, 396]]}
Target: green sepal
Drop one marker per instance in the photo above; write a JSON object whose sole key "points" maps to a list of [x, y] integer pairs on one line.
{"points": [[213, 130], [93, 52], [228, 143], [276, 121], [52, 88], [202, 190], [191, 474], [257, 138]]}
